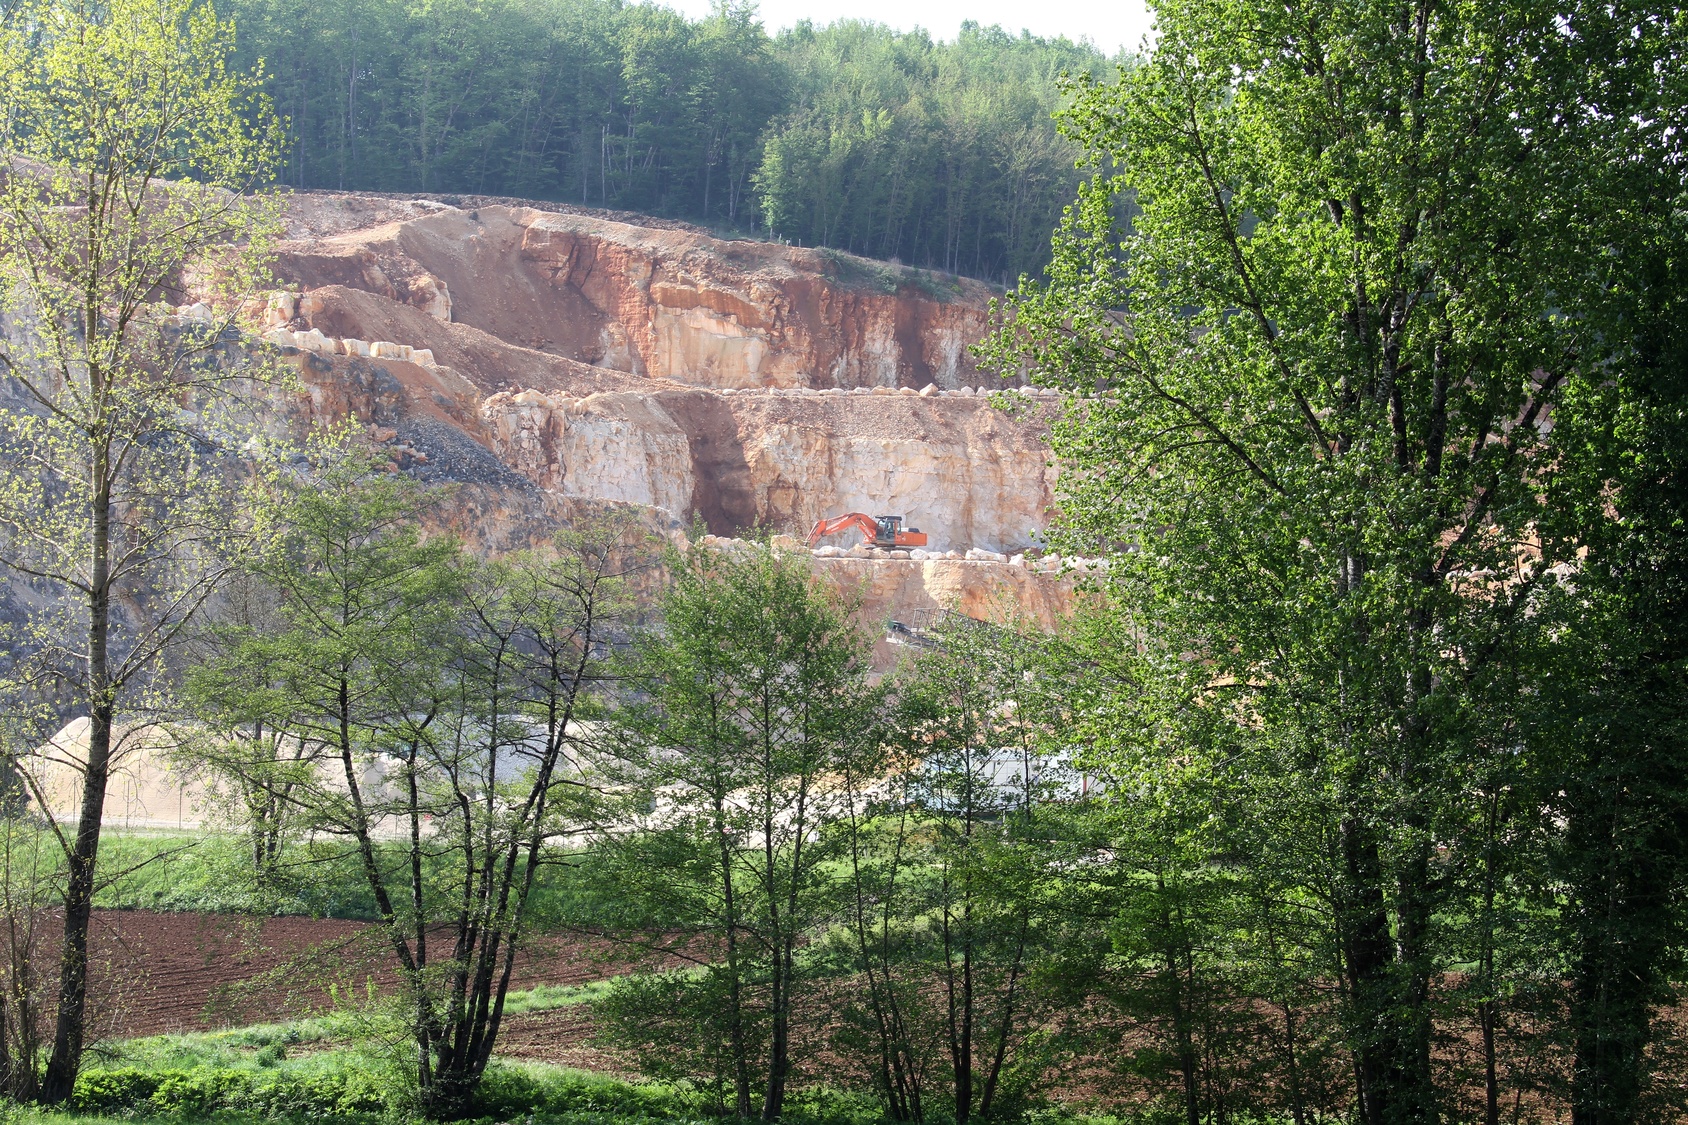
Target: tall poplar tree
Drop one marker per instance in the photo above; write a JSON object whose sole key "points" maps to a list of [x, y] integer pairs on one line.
{"points": [[127, 147]]}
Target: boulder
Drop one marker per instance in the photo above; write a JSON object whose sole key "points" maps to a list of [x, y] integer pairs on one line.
{"points": [[313, 340]]}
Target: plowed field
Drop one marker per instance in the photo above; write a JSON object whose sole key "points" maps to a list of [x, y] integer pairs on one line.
{"points": [[153, 973]]}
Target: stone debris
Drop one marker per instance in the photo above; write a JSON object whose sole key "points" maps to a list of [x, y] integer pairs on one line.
{"points": [[1051, 565], [281, 309], [314, 341]]}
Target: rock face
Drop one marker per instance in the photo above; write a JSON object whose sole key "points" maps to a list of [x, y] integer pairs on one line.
{"points": [[546, 361], [674, 303]]}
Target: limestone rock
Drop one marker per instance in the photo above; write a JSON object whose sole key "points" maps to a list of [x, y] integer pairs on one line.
{"points": [[559, 360]]}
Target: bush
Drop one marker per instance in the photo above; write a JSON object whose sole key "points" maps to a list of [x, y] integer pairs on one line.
{"points": [[508, 1091], [344, 1092], [348, 1090], [106, 1091]]}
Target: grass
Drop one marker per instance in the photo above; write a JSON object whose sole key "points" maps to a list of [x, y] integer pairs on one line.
{"points": [[308, 1072], [333, 1070], [262, 1046], [211, 872]]}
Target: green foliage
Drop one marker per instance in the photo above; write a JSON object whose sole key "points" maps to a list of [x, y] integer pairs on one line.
{"points": [[133, 160], [679, 1026], [940, 154], [343, 1092], [339, 1085], [297, 1072], [1318, 387], [850, 136], [212, 872], [734, 722], [427, 709]]}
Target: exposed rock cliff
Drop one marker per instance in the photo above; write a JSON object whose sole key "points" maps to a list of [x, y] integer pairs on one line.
{"points": [[670, 302], [545, 360]]}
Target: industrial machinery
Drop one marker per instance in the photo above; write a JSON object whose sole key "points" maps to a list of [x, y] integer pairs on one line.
{"points": [[879, 531]]}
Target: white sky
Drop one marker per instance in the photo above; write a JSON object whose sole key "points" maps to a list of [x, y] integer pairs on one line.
{"points": [[1110, 24]]}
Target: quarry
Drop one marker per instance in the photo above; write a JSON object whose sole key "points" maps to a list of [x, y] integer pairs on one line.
{"points": [[548, 360]]}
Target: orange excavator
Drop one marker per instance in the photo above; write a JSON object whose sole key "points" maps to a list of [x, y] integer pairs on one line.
{"points": [[879, 531]]}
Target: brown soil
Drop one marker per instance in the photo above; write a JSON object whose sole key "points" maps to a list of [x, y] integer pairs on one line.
{"points": [[154, 973], [562, 1036]]}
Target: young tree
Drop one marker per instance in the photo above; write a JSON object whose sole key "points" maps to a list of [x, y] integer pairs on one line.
{"points": [[446, 701], [248, 766], [1316, 374], [878, 945], [741, 711], [974, 710], [129, 148]]}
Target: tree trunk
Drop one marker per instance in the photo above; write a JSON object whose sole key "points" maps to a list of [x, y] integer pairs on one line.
{"points": [[1365, 929], [735, 998], [779, 1044], [66, 1060], [1617, 954], [1179, 1011]]}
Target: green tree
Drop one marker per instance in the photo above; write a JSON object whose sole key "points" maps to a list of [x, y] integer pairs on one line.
{"points": [[941, 154], [130, 150], [851, 136], [1314, 375], [878, 950], [740, 712], [1612, 634], [976, 713], [443, 703]]}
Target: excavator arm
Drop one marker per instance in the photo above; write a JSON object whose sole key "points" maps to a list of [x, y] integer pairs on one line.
{"points": [[833, 526]]}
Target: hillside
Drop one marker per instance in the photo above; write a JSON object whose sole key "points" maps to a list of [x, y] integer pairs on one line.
{"points": [[546, 359], [853, 135]]}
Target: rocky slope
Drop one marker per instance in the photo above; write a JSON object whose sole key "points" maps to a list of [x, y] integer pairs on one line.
{"points": [[549, 359]]}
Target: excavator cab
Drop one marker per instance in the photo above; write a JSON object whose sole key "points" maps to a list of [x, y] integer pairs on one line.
{"points": [[892, 534]]}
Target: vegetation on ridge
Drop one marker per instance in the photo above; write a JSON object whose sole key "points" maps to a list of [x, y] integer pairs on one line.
{"points": [[851, 136]]}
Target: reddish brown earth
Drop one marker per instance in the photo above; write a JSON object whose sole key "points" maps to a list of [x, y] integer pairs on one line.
{"points": [[154, 973], [562, 1036]]}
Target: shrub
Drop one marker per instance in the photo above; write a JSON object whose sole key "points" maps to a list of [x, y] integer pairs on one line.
{"points": [[507, 1091], [106, 1091], [345, 1092]]}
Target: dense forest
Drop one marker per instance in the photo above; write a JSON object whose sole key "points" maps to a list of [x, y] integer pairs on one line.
{"points": [[854, 136]]}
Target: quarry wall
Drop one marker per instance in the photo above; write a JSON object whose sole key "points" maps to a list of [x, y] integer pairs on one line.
{"points": [[546, 360]]}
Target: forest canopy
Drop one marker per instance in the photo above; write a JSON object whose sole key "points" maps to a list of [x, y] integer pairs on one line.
{"points": [[852, 136]]}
